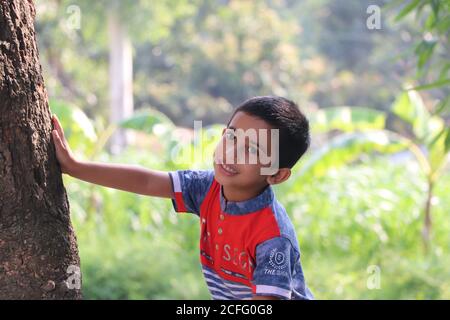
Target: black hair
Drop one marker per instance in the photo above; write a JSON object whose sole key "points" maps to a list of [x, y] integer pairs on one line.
{"points": [[285, 115]]}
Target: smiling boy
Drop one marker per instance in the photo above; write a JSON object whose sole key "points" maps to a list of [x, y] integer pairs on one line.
{"points": [[248, 245]]}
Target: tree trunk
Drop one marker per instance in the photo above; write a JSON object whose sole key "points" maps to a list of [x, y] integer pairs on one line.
{"points": [[38, 250]]}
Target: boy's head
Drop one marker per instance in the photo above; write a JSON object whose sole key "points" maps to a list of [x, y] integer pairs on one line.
{"points": [[265, 129]]}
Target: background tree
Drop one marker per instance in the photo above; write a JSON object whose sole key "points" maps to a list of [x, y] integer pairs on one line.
{"points": [[431, 47], [38, 250]]}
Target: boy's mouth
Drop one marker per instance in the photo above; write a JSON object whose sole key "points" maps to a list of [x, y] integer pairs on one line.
{"points": [[227, 169]]}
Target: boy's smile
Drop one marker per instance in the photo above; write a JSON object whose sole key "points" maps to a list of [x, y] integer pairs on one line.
{"points": [[227, 170]]}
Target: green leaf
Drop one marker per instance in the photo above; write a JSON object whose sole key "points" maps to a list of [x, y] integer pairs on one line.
{"points": [[436, 84], [438, 150], [148, 121], [348, 147], [444, 70], [442, 106], [391, 5], [442, 25], [407, 9], [435, 5], [410, 107], [424, 51], [347, 119], [78, 128], [447, 141], [431, 21]]}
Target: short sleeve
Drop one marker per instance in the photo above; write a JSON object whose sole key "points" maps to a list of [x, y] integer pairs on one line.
{"points": [[190, 188], [275, 261]]}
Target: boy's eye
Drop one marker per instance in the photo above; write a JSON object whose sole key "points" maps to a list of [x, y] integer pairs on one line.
{"points": [[229, 135], [252, 150]]}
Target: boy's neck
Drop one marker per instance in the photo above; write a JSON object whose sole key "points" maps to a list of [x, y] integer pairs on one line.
{"points": [[238, 195]]}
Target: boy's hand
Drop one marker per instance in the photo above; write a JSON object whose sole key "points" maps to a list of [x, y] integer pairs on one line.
{"points": [[123, 177], [63, 153]]}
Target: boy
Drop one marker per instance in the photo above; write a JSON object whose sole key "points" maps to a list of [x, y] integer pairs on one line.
{"points": [[248, 246]]}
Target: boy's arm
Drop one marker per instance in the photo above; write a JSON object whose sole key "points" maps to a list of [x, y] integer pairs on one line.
{"points": [[124, 177]]}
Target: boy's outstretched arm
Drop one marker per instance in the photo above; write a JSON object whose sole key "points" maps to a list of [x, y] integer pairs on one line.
{"points": [[124, 177]]}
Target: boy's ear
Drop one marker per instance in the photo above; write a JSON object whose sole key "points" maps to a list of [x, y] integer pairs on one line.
{"points": [[282, 175]]}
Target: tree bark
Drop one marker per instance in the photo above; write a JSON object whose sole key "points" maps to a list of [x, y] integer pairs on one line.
{"points": [[38, 250]]}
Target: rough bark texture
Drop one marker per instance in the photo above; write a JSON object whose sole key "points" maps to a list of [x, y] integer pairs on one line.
{"points": [[37, 243]]}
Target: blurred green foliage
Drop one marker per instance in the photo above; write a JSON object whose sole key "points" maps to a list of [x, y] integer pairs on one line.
{"points": [[359, 199], [355, 217], [348, 219], [367, 214], [431, 50], [199, 59]]}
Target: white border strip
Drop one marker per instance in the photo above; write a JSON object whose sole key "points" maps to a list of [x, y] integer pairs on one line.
{"points": [[262, 289], [176, 181]]}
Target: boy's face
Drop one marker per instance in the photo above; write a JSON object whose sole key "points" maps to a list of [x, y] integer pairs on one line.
{"points": [[243, 151]]}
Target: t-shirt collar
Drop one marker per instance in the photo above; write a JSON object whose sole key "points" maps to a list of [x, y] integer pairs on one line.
{"points": [[264, 199]]}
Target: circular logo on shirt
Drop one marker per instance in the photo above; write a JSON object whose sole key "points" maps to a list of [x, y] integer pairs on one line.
{"points": [[277, 259]]}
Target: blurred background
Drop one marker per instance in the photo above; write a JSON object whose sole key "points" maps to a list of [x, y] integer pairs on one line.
{"points": [[369, 201]]}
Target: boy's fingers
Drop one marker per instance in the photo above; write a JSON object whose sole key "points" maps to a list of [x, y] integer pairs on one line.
{"points": [[55, 135], [58, 127], [57, 139], [56, 123]]}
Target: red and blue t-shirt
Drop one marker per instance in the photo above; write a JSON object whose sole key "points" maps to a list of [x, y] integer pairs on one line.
{"points": [[246, 248]]}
